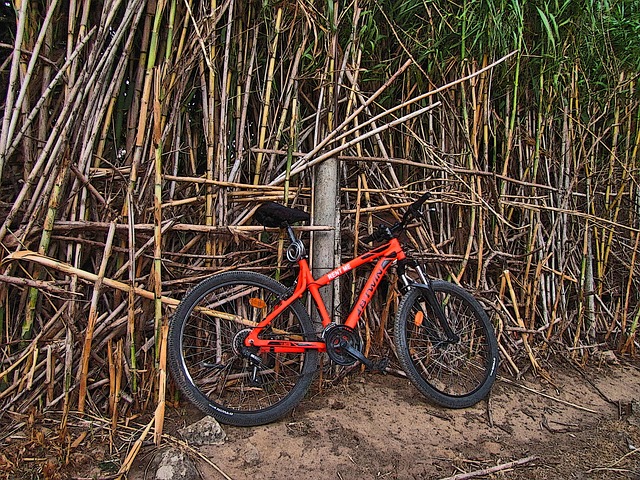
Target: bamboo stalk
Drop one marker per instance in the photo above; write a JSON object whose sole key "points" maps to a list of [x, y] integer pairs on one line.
{"points": [[267, 96], [525, 336], [6, 139], [162, 374], [93, 314], [21, 7]]}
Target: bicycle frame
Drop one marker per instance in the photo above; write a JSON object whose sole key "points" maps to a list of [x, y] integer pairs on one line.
{"points": [[385, 254]]}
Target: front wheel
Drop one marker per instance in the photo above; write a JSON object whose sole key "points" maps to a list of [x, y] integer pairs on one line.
{"points": [[212, 366], [454, 373]]}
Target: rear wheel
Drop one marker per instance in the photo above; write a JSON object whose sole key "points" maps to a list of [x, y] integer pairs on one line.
{"points": [[212, 366], [455, 374]]}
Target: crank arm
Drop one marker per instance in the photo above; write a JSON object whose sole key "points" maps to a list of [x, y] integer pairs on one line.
{"points": [[347, 347]]}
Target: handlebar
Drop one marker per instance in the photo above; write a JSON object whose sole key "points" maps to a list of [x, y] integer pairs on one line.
{"points": [[384, 232], [414, 208]]}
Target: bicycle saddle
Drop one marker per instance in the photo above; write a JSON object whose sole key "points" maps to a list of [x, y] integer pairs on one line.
{"points": [[271, 214]]}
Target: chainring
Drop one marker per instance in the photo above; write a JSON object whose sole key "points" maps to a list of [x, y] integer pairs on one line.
{"points": [[335, 337]]}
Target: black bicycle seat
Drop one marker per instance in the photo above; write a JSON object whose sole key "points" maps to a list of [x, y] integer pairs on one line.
{"points": [[271, 214]]}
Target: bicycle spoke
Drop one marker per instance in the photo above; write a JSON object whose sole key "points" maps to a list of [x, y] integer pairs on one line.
{"points": [[454, 371], [220, 370]]}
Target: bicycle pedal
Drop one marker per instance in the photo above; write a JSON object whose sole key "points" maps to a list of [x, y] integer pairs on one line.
{"points": [[380, 365]]}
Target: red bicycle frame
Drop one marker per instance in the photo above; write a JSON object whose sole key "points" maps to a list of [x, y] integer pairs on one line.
{"points": [[385, 254]]}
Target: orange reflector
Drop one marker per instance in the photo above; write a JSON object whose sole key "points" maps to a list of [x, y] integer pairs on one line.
{"points": [[419, 318], [257, 303]]}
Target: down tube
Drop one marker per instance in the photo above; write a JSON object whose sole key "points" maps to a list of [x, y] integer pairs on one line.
{"points": [[369, 289]]}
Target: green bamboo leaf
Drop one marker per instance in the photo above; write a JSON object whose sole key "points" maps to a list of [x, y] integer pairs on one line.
{"points": [[547, 27]]}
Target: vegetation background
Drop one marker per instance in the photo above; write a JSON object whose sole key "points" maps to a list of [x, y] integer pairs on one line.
{"points": [[137, 136]]}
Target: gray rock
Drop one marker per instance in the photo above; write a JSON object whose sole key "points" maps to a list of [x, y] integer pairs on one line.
{"points": [[176, 465], [204, 432], [251, 455]]}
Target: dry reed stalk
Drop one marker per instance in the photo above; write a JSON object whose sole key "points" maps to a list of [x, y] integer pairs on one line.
{"points": [[93, 314], [525, 336], [162, 384]]}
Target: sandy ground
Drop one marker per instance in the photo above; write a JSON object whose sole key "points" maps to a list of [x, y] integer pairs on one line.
{"points": [[582, 423], [578, 425]]}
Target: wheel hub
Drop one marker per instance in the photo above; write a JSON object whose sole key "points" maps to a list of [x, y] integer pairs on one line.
{"points": [[238, 342]]}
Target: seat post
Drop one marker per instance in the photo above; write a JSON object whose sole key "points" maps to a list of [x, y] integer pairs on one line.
{"points": [[292, 235]]}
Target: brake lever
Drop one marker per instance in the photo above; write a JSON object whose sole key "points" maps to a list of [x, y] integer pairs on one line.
{"points": [[380, 233]]}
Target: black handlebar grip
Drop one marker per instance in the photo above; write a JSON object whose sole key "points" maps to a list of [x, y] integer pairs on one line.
{"points": [[415, 206], [367, 239], [423, 198]]}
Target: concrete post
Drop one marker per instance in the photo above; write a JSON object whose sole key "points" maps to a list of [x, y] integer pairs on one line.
{"points": [[326, 245]]}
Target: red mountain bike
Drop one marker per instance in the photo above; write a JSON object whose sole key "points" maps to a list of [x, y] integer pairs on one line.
{"points": [[243, 348]]}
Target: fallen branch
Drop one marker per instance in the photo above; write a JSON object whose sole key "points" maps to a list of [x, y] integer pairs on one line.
{"points": [[39, 284], [610, 467], [497, 468], [559, 400]]}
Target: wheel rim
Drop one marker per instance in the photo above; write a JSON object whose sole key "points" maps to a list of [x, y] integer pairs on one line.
{"points": [[452, 369], [211, 356]]}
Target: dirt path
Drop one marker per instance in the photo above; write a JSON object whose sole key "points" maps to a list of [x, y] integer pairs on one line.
{"points": [[374, 426]]}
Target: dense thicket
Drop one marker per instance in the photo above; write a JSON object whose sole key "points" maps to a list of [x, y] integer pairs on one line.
{"points": [[137, 136]]}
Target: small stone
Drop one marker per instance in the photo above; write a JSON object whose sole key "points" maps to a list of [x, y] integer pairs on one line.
{"points": [[609, 357], [175, 465], [251, 455], [204, 432]]}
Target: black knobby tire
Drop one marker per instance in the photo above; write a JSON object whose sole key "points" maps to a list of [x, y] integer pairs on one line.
{"points": [[454, 375], [205, 350]]}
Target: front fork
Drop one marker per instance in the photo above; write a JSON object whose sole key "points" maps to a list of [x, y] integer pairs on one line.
{"points": [[427, 293]]}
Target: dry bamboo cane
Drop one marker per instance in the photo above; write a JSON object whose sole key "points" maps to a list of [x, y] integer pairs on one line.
{"points": [[525, 337], [135, 449], [70, 270], [235, 170], [157, 214], [604, 247], [26, 80], [112, 378], [75, 255], [13, 84], [160, 333], [394, 179], [333, 152], [335, 135], [267, 97], [162, 387], [292, 76], [43, 248], [46, 161], [330, 137], [93, 314], [46, 94], [208, 99], [625, 310]]}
